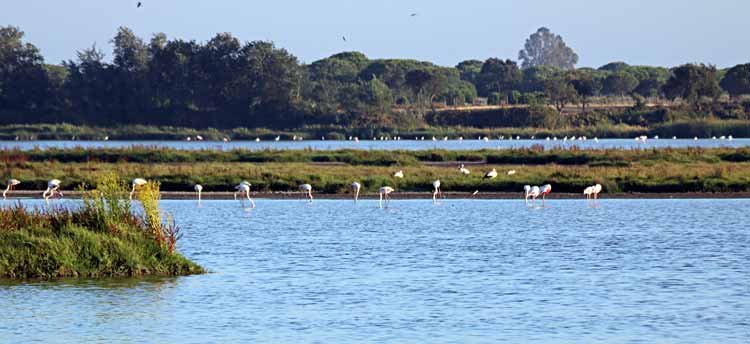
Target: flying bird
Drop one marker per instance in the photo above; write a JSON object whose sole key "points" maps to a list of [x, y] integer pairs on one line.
{"points": [[413, 15], [344, 38], [139, 5]]}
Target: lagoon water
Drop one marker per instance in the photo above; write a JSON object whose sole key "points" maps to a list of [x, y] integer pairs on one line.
{"points": [[464, 271], [404, 144]]}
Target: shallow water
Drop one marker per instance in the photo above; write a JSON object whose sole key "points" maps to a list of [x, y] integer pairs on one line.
{"points": [[627, 271], [406, 144]]}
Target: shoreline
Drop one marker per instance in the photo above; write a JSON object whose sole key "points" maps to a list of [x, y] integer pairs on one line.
{"points": [[191, 195]]}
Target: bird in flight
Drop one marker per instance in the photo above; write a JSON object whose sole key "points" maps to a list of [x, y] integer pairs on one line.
{"points": [[413, 14], [139, 5], [344, 38]]}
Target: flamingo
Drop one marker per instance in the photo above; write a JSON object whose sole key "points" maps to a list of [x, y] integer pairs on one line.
{"points": [[384, 192], [436, 192], [533, 192], [11, 184], [198, 189], [596, 190], [464, 170], [491, 174], [526, 193], [307, 189], [136, 183], [588, 192], [53, 186], [243, 188], [356, 186], [399, 174], [545, 190]]}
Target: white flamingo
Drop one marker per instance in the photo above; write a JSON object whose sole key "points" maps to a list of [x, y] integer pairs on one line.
{"points": [[399, 174], [491, 174], [464, 170], [137, 182], [53, 187], [198, 189], [436, 191], [589, 191], [356, 186], [596, 190], [384, 192], [307, 189], [533, 193], [243, 188], [11, 183], [526, 193]]}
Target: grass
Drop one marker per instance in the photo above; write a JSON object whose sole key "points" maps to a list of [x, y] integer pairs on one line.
{"points": [[101, 238], [568, 170]]}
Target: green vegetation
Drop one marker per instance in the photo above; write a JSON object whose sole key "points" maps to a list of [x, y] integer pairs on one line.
{"points": [[102, 238], [225, 83], [647, 170]]}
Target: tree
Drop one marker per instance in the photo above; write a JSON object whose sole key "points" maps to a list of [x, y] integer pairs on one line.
{"points": [[470, 70], [499, 76], [417, 80], [737, 80], [24, 83], [692, 82], [615, 67], [560, 93], [650, 87], [619, 83], [586, 87], [545, 48]]}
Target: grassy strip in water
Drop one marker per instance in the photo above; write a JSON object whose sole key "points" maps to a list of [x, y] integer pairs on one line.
{"points": [[102, 238], [568, 170]]}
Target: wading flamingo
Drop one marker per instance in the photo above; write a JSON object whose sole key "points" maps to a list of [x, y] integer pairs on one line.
{"points": [[307, 189], [384, 192], [545, 190], [533, 193], [491, 174], [464, 170], [244, 190], [137, 182], [53, 187], [198, 189], [436, 191], [356, 186], [589, 191], [11, 183], [526, 193], [596, 190]]}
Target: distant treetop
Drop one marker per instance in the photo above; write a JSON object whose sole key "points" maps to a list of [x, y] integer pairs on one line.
{"points": [[544, 48]]}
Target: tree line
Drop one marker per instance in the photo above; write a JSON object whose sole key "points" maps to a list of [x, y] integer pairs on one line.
{"points": [[224, 83]]}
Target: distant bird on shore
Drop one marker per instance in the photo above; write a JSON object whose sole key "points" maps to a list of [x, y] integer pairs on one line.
{"points": [[307, 190], [511, 172], [137, 182], [491, 174], [277, 138], [436, 191], [464, 170], [384, 192], [11, 183], [399, 174], [198, 189], [243, 188], [356, 186], [53, 187]]}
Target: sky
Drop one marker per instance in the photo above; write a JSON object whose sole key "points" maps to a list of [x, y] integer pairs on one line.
{"points": [[639, 32]]}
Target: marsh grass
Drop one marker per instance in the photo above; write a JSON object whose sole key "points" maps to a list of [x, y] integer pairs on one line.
{"points": [[102, 237]]}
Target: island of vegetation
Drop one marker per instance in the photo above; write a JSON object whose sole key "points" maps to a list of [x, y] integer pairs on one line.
{"points": [[174, 88], [101, 238], [568, 169]]}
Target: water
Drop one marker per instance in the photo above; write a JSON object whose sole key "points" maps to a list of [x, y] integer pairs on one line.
{"points": [[465, 271], [383, 145]]}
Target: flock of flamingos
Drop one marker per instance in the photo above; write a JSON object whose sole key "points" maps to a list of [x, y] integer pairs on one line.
{"points": [[243, 189]]}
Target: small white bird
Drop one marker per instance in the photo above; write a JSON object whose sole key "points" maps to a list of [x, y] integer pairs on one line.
{"points": [[277, 138], [356, 186], [526, 193], [399, 174], [198, 189], [464, 170], [53, 187], [11, 184], [257, 139], [199, 138], [307, 190], [226, 139], [511, 172], [384, 192], [136, 183], [491, 174]]}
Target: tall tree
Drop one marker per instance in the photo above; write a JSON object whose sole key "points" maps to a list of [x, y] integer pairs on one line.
{"points": [[692, 82], [737, 80], [560, 93], [545, 48], [586, 87], [24, 83], [470, 70], [499, 76], [619, 83]]}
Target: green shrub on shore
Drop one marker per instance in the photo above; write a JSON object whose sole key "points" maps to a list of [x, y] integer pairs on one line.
{"points": [[102, 238]]}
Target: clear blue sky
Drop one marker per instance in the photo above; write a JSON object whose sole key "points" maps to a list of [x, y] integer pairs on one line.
{"points": [[653, 32]]}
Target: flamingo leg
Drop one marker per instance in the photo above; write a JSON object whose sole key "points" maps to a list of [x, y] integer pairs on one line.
{"points": [[380, 201]]}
